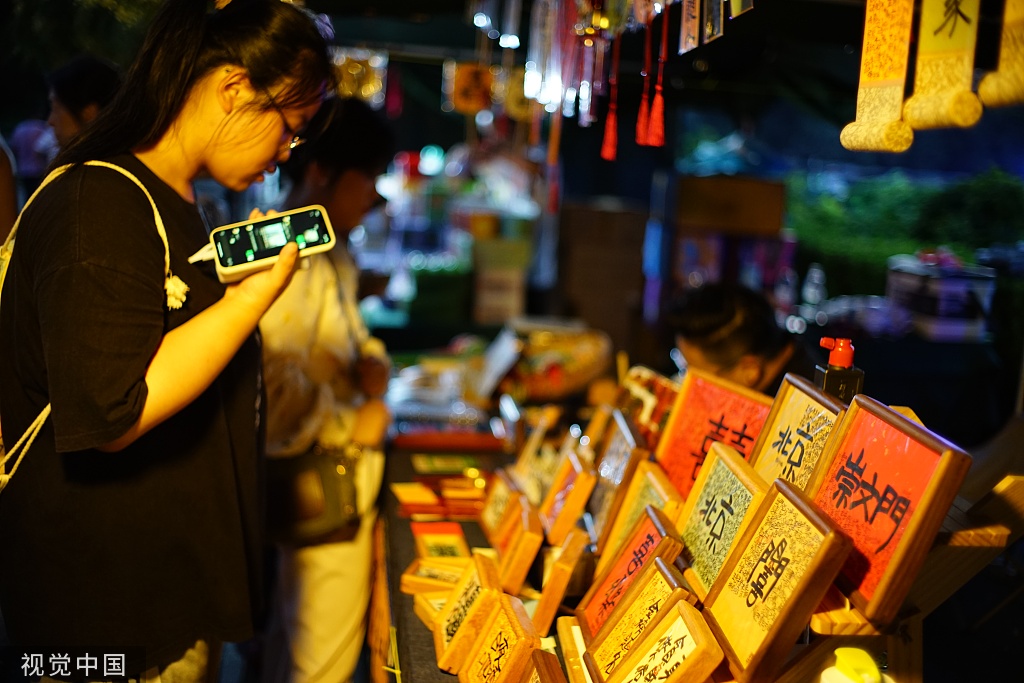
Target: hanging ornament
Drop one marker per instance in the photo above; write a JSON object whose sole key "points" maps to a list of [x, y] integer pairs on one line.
{"points": [[656, 128], [611, 123], [643, 117], [1005, 86], [689, 26]]}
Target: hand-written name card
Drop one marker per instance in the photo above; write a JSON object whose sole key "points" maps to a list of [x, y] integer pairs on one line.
{"points": [[469, 604], [708, 409], [502, 650], [615, 465], [535, 465], [768, 589], [723, 499], [652, 536], [568, 495], [500, 490], [649, 486], [679, 647], [889, 487], [657, 589], [520, 550], [794, 435]]}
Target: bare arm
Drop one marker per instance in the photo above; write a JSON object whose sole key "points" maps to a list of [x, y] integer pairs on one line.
{"points": [[191, 356]]}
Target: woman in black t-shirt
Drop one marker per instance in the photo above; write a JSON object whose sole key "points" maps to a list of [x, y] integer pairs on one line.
{"points": [[132, 527]]}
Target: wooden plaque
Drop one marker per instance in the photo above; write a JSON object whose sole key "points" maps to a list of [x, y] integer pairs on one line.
{"points": [[648, 486], [556, 578], [708, 409], [427, 575], [518, 554], [793, 438], [502, 650], [470, 603], [652, 536], [511, 520], [543, 668], [535, 466], [439, 539], [616, 462], [656, 590], [428, 605], [500, 490], [771, 584], [890, 485], [570, 640], [567, 498], [679, 648], [722, 501]]}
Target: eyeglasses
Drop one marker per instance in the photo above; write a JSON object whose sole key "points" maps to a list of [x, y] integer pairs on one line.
{"points": [[294, 139]]}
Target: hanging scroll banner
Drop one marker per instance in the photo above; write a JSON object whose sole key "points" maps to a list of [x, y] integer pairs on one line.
{"points": [[713, 12], [883, 73], [1005, 85], [738, 7], [943, 94]]}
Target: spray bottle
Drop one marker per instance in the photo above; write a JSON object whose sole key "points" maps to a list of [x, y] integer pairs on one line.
{"points": [[840, 378]]}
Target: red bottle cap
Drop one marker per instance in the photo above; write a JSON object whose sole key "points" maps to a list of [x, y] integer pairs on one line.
{"points": [[841, 351]]}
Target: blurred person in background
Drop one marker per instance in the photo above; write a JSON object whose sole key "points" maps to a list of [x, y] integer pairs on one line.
{"points": [[79, 89]]}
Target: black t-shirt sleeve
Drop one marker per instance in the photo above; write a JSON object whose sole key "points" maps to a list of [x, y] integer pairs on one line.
{"points": [[100, 307]]}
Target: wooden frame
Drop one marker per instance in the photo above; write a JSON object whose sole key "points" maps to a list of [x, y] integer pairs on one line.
{"points": [[567, 497], [500, 491], [708, 409], [556, 580], [517, 555], [657, 589], [616, 462], [886, 466], [570, 640], [679, 647], [470, 603], [428, 605], [439, 539], [784, 563], [536, 464], [793, 438], [653, 536], [648, 486], [721, 503], [543, 667], [502, 650], [431, 574]]}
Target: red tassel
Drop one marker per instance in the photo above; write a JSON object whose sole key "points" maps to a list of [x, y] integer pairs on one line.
{"points": [[611, 124], [641, 119], [656, 128]]}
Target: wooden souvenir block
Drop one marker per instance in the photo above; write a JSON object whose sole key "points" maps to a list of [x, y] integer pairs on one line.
{"points": [[500, 490], [439, 539], [543, 667], [570, 640], [567, 498], [723, 499], [429, 575], [653, 536], [428, 605], [616, 463], [781, 568], [889, 486], [536, 464], [679, 647], [793, 438], [470, 603], [649, 486], [708, 409], [511, 521], [656, 590], [563, 561], [597, 425], [518, 554], [502, 650]]}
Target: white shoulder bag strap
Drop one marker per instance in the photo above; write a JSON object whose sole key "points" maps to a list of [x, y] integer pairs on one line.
{"points": [[175, 288]]}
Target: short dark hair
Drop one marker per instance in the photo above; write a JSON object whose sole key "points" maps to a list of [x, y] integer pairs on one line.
{"points": [[83, 81], [346, 133], [726, 321]]}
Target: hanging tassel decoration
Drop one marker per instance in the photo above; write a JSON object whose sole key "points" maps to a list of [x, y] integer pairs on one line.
{"points": [[644, 115], [611, 124], [656, 128]]}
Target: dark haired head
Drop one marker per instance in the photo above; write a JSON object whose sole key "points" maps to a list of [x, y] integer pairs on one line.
{"points": [[83, 81], [282, 47], [726, 321], [345, 134]]}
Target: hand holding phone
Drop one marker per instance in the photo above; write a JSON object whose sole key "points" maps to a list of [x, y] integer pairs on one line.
{"points": [[243, 248]]}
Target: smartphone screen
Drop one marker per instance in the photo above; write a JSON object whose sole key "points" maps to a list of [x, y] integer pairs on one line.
{"points": [[266, 237]]}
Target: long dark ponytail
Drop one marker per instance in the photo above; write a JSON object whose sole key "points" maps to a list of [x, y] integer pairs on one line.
{"points": [[274, 41]]}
